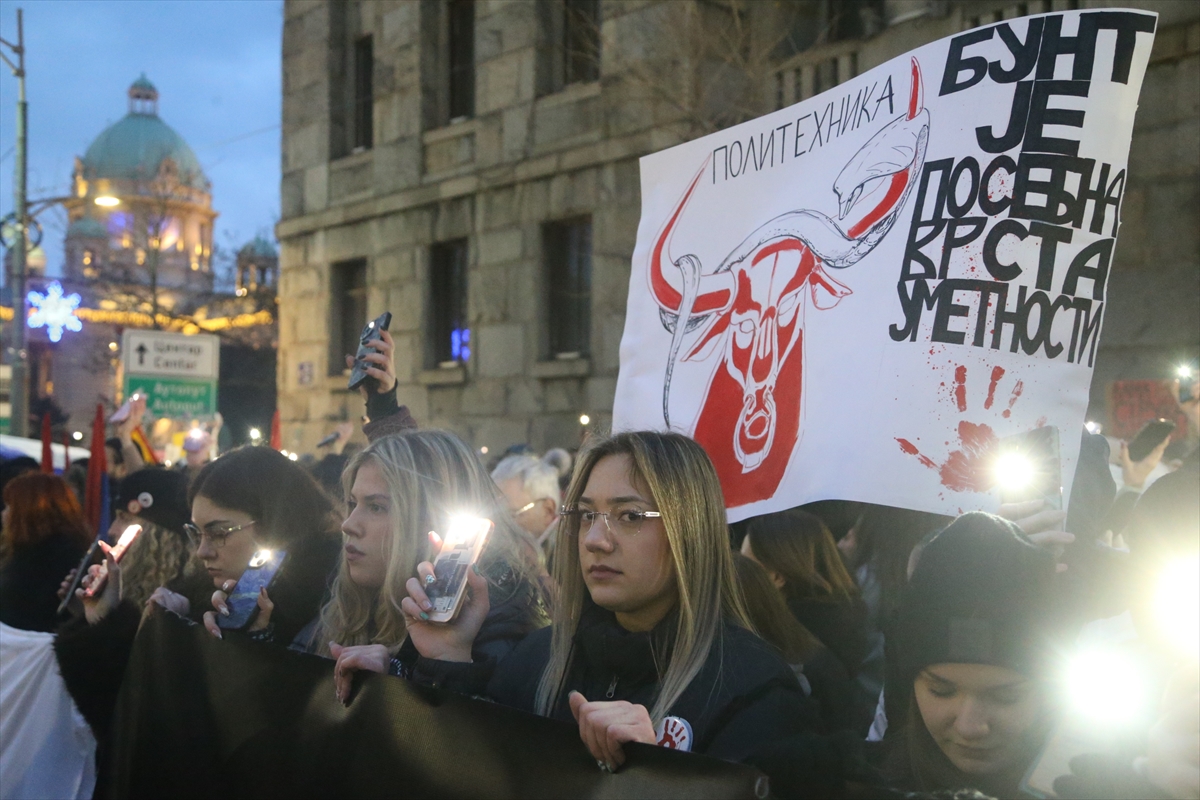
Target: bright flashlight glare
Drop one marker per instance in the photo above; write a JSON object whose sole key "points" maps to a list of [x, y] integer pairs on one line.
{"points": [[127, 536], [294, 456], [1092, 427], [255, 433], [464, 529], [107, 201], [259, 558], [1105, 687], [77, 436], [1013, 471], [195, 433], [1177, 604], [1184, 371], [584, 419]]}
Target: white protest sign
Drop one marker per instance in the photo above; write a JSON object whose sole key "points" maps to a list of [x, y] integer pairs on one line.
{"points": [[857, 296]]}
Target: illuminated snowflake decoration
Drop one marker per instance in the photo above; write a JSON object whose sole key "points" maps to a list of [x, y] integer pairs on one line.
{"points": [[54, 311]]}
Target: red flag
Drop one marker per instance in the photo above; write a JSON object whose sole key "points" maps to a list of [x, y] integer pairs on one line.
{"points": [[66, 452], [47, 454], [276, 433], [93, 503]]}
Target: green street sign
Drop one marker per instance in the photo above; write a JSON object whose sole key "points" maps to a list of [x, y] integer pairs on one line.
{"points": [[174, 397]]}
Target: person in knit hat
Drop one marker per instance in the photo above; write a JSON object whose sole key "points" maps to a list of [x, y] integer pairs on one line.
{"points": [[979, 628]]}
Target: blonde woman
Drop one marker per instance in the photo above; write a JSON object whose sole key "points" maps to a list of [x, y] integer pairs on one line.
{"points": [[650, 641], [399, 489]]}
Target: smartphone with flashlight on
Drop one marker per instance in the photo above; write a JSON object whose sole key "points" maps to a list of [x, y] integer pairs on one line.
{"points": [[122, 413], [243, 600], [461, 547], [118, 552], [1028, 466], [1152, 434]]}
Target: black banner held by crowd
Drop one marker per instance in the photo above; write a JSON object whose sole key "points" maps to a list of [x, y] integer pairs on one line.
{"points": [[201, 717]]}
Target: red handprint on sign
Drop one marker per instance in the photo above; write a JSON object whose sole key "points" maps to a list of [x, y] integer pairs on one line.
{"points": [[966, 469]]}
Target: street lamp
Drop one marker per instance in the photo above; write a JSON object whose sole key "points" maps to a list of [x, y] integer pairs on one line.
{"points": [[107, 201]]}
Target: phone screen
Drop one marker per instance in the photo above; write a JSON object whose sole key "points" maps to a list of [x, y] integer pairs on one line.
{"points": [[461, 547], [373, 330], [244, 598], [1029, 467]]}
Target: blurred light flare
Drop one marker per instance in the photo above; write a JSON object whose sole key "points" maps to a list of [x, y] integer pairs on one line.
{"points": [[1177, 604], [1105, 687], [1013, 471]]}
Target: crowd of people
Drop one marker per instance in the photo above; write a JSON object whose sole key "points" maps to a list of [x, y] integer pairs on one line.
{"points": [[843, 649]]}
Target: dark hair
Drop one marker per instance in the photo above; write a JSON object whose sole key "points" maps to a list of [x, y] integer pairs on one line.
{"points": [[11, 468], [41, 506], [770, 615], [885, 538], [798, 546], [114, 443], [278, 494]]}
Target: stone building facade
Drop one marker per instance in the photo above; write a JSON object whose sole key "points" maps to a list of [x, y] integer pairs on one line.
{"points": [[472, 167]]}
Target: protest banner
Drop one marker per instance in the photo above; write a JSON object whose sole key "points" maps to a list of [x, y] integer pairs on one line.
{"points": [[202, 717], [855, 297]]}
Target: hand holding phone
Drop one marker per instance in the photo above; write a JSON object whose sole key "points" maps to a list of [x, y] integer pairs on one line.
{"points": [[1151, 435], [461, 548], [373, 331], [243, 597], [127, 536]]}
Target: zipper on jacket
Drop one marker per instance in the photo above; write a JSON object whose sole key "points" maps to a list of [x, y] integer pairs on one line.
{"points": [[612, 688]]}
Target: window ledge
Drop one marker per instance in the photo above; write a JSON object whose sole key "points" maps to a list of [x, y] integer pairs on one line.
{"points": [[450, 131], [572, 368], [352, 159], [442, 376], [570, 93]]}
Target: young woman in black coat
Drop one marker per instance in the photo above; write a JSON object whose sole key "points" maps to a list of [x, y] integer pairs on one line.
{"points": [[44, 536], [401, 487], [650, 641]]}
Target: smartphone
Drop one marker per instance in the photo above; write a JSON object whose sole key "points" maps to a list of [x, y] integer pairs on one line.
{"points": [[461, 547], [1152, 434], [243, 600], [122, 413], [373, 330], [1028, 466], [1068, 741], [118, 552]]}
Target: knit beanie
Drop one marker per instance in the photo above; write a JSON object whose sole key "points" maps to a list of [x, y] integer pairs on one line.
{"points": [[158, 495], [982, 593]]}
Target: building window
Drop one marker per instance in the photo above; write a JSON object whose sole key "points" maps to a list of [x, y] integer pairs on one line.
{"points": [[462, 59], [347, 311], [567, 252], [449, 340], [364, 118], [570, 43]]}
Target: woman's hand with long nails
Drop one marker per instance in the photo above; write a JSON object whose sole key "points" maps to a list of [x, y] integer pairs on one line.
{"points": [[105, 580], [380, 364], [444, 641], [368, 657], [606, 725]]}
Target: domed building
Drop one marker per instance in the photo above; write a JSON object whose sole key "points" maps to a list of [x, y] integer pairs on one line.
{"points": [[141, 211], [138, 253]]}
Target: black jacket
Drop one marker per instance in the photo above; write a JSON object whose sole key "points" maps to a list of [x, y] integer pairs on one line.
{"points": [[29, 582], [744, 695], [840, 625]]}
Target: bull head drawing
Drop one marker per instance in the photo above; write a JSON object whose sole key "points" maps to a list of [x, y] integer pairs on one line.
{"points": [[753, 303]]}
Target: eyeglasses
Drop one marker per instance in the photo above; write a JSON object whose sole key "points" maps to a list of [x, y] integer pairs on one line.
{"points": [[625, 521], [216, 534]]}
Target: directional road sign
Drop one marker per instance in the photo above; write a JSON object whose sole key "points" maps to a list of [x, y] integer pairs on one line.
{"points": [[176, 373]]}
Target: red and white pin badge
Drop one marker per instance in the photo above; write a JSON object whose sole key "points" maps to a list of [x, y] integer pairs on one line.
{"points": [[675, 733]]}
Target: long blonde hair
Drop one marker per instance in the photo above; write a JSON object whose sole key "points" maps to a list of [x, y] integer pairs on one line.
{"points": [[683, 485], [431, 475]]}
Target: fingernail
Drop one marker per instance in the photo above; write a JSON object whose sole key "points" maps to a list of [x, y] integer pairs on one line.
{"points": [[428, 606], [224, 611], [429, 579], [219, 635], [424, 616]]}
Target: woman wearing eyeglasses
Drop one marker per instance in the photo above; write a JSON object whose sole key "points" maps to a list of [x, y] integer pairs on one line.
{"points": [[248, 500], [650, 641]]}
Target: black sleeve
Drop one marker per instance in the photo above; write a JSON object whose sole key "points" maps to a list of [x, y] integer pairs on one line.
{"points": [[92, 661], [469, 678], [810, 765], [774, 711], [382, 404]]}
